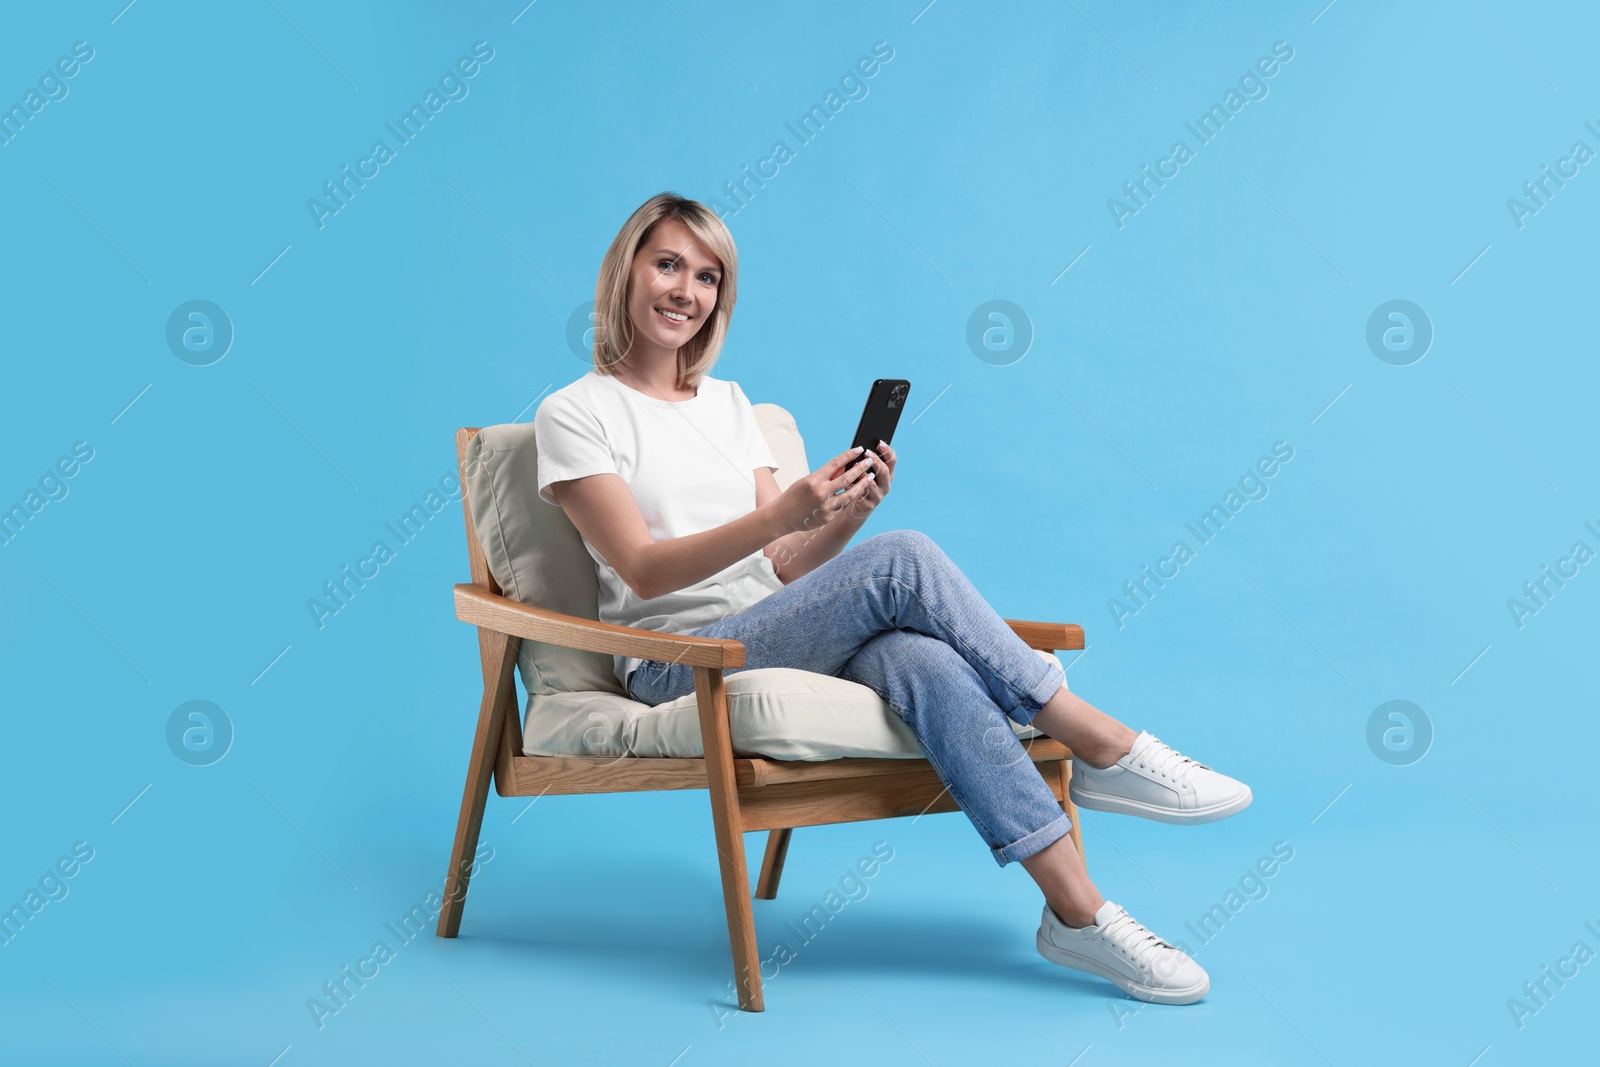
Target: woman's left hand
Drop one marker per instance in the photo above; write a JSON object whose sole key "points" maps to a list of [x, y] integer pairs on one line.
{"points": [[883, 465]]}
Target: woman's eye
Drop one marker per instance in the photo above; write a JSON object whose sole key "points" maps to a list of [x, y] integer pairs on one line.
{"points": [[708, 279], [666, 265]]}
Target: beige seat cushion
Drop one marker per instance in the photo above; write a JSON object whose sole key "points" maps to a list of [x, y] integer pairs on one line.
{"points": [[777, 712], [576, 707]]}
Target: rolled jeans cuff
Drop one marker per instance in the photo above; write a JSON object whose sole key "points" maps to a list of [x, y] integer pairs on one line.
{"points": [[1051, 681], [1037, 841]]}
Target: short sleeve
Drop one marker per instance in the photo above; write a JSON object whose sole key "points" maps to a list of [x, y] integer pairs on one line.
{"points": [[755, 442], [571, 441]]}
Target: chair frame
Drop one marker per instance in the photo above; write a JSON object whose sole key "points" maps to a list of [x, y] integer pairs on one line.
{"points": [[747, 793]]}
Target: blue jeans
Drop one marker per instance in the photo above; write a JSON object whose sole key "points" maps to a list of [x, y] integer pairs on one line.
{"points": [[893, 613]]}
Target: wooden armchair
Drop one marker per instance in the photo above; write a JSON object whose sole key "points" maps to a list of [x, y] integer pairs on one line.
{"points": [[747, 793]]}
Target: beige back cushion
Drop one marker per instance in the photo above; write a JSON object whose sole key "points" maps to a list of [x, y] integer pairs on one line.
{"points": [[537, 555]]}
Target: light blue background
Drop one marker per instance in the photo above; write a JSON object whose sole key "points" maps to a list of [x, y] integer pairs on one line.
{"points": [[1225, 316]]}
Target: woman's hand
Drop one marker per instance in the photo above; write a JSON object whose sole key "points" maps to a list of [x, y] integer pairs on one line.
{"points": [[883, 467], [815, 500]]}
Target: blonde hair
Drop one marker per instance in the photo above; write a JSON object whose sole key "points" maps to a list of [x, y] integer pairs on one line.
{"points": [[613, 329]]}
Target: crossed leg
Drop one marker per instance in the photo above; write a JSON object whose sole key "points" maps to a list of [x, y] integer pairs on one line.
{"points": [[963, 676], [971, 744]]}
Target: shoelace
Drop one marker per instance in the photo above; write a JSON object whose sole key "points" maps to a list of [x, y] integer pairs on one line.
{"points": [[1128, 934], [1166, 761]]}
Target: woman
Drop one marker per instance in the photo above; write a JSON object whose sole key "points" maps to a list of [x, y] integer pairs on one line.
{"points": [[664, 472]]}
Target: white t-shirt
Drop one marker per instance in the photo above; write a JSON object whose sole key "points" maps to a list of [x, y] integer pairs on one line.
{"points": [[691, 466]]}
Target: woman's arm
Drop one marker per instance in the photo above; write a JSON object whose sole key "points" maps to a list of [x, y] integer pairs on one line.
{"points": [[603, 509]]}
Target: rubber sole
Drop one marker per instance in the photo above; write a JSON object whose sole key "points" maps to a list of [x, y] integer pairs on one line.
{"points": [[1058, 955], [1124, 806]]}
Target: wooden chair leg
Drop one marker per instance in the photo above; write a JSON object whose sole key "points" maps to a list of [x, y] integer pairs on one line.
{"points": [[772, 863], [499, 655], [1076, 833], [715, 738]]}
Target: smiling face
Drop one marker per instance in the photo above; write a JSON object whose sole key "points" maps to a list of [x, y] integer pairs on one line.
{"points": [[672, 287]]}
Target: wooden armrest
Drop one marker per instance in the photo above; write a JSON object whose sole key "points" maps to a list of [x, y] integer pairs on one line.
{"points": [[1048, 636], [478, 606]]}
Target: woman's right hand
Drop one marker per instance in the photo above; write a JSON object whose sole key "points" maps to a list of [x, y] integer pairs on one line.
{"points": [[814, 500]]}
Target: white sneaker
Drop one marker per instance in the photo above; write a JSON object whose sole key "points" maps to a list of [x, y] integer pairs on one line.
{"points": [[1156, 782], [1120, 950]]}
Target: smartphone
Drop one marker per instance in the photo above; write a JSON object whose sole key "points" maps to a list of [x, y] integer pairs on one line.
{"points": [[882, 414]]}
